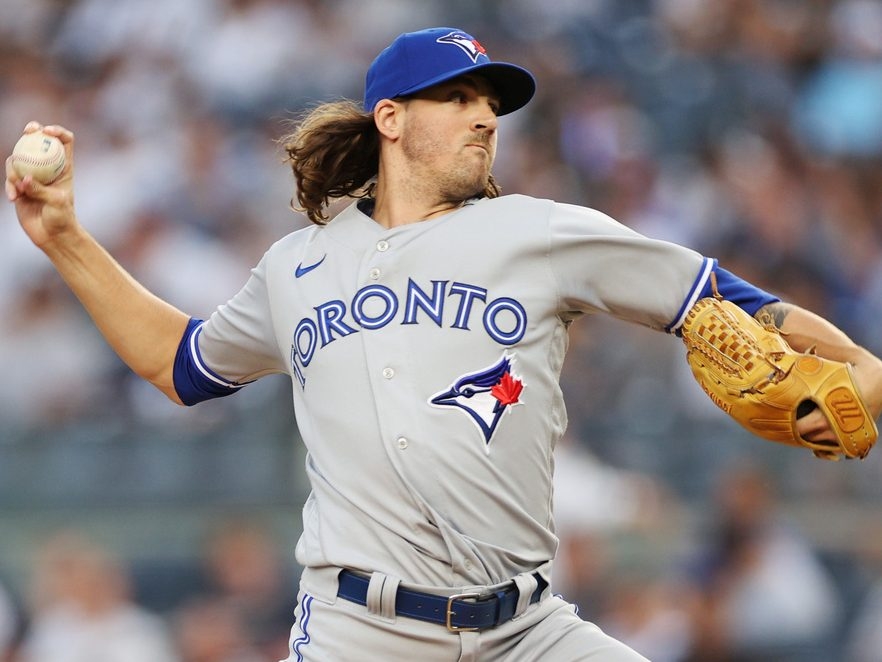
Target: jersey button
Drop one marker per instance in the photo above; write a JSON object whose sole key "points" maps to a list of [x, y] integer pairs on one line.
{"points": [[382, 245], [402, 443], [374, 274], [388, 373]]}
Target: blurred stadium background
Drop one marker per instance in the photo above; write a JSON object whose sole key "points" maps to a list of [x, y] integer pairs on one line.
{"points": [[750, 130]]}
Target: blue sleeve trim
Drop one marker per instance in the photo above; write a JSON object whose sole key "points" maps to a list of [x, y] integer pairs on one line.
{"points": [[194, 381], [732, 288], [702, 282]]}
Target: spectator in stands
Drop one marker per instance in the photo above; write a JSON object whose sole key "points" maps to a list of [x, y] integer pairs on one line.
{"points": [[765, 594], [81, 609]]}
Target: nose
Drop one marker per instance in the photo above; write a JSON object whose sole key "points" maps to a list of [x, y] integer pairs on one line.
{"points": [[486, 119], [486, 122]]}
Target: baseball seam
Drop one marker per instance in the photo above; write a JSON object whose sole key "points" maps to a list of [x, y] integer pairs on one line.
{"points": [[30, 160], [51, 163]]}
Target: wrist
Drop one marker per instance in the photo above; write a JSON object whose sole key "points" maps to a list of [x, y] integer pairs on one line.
{"points": [[65, 242]]}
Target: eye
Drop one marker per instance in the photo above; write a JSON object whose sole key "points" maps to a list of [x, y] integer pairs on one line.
{"points": [[468, 392], [458, 96]]}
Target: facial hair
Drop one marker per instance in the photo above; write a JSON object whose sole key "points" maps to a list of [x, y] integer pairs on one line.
{"points": [[465, 178]]}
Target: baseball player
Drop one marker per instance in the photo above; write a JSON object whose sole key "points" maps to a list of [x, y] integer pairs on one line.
{"points": [[424, 329]]}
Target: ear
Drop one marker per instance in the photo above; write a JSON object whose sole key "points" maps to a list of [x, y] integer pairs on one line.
{"points": [[389, 116]]}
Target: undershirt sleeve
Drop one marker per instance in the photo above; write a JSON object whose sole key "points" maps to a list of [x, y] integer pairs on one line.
{"points": [[194, 381], [737, 290], [746, 296]]}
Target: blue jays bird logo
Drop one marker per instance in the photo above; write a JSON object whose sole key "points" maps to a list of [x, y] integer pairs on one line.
{"points": [[484, 395], [471, 46]]}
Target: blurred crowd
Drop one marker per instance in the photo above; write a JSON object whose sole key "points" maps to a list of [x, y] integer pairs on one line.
{"points": [[750, 130], [85, 604]]}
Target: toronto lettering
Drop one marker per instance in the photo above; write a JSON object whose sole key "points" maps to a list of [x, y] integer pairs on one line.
{"points": [[457, 305]]}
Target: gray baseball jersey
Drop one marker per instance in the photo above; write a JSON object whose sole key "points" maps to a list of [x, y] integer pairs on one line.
{"points": [[425, 361]]}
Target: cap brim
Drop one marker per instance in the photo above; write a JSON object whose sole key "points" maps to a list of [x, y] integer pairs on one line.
{"points": [[514, 85]]}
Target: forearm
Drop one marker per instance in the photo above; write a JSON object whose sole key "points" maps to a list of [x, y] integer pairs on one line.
{"points": [[805, 330], [141, 328]]}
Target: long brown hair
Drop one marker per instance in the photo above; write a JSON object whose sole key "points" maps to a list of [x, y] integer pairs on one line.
{"points": [[334, 152]]}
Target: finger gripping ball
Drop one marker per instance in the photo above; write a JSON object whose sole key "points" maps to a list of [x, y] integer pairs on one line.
{"points": [[39, 155]]}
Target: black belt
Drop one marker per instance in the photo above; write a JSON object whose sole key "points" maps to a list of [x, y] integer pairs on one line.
{"points": [[460, 612]]}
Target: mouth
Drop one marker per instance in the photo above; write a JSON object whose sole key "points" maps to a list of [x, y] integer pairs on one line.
{"points": [[481, 146]]}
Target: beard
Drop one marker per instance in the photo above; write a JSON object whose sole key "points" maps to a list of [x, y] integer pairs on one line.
{"points": [[460, 177]]}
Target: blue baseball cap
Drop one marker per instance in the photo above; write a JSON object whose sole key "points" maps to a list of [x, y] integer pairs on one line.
{"points": [[417, 60]]}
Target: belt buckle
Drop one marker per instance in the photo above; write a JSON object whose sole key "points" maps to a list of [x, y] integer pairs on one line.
{"points": [[450, 613]]}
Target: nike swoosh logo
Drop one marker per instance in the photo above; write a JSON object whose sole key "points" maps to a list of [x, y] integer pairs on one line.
{"points": [[302, 271]]}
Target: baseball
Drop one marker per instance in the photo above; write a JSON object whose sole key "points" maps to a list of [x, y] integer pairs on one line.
{"points": [[39, 155]]}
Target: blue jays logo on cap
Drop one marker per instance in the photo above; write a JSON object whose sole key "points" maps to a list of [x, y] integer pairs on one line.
{"points": [[471, 46], [484, 395], [415, 61]]}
